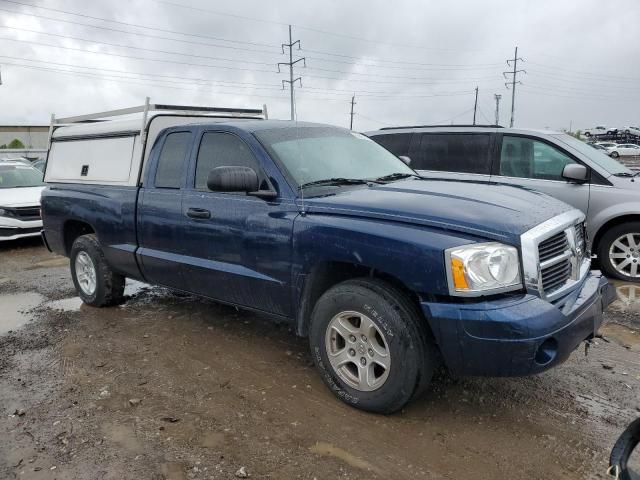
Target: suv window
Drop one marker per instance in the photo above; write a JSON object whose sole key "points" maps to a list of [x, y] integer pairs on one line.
{"points": [[465, 153], [172, 159], [396, 143], [221, 149], [528, 158]]}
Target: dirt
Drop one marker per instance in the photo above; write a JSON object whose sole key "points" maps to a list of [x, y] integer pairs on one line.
{"points": [[170, 386]]}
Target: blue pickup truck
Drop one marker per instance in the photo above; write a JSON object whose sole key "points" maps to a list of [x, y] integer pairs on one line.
{"points": [[388, 274]]}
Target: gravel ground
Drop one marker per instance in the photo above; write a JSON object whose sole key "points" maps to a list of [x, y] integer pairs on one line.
{"points": [[170, 386]]}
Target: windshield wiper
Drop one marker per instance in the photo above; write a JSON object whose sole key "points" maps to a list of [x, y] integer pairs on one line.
{"points": [[336, 181], [395, 176], [625, 174]]}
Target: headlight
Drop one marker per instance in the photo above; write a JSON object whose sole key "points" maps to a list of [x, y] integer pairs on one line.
{"points": [[482, 269]]}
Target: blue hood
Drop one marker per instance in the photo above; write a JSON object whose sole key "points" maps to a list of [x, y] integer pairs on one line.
{"points": [[488, 210]]}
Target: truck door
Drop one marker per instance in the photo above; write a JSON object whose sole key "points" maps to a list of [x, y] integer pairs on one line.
{"points": [[238, 246], [538, 165], [160, 219]]}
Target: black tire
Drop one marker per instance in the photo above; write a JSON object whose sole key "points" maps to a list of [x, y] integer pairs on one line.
{"points": [[614, 155], [411, 351], [622, 450], [587, 134], [607, 241], [109, 288]]}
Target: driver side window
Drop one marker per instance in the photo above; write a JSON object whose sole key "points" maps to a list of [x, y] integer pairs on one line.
{"points": [[222, 149], [528, 158]]}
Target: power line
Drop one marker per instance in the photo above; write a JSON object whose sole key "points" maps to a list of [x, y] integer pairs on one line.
{"points": [[128, 24], [291, 63], [514, 81], [305, 27]]}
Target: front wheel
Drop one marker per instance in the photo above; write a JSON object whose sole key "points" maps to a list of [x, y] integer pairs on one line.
{"points": [[615, 154], [370, 345], [619, 252], [96, 284]]}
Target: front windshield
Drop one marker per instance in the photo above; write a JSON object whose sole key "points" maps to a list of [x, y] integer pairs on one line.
{"points": [[312, 154], [16, 176], [598, 156]]}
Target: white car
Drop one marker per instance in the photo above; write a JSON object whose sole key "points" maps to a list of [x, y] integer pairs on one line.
{"points": [[624, 149], [632, 130], [607, 145], [20, 189], [599, 130]]}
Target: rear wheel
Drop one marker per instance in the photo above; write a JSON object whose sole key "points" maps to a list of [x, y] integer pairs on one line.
{"points": [[615, 154], [370, 345], [95, 282], [619, 252]]}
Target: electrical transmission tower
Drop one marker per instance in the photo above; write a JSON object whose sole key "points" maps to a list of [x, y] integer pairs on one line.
{"points": [[497, 96], [514, 80], [291, 64], [475, 107], [353, 102]]}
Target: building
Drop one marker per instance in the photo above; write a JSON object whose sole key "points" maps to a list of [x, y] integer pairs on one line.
{"points": [[32, 136]]}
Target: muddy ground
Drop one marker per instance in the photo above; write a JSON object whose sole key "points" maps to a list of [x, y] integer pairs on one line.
{"points": [[174, 387]]}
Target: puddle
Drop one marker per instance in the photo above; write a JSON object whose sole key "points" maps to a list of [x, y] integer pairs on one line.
{"points": [[623, 335], [327, 450], [72, 304], [628, 297], [75, 304], [14, 308]]}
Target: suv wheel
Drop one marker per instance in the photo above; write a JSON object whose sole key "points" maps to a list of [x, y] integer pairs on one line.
{"points": [[619, 252], [95, 282], [370, 345]]}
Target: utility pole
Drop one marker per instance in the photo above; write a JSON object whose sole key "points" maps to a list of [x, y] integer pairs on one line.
{"points": [[475, 107], [290, 64], [497, 96], [353, 102], [514, 74]]}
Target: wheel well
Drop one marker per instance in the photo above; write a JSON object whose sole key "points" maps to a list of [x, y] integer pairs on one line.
{"points": [[324, 276], [74, 229], [609, 225]]}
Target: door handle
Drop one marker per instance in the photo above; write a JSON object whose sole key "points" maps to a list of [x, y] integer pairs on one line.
{"points": [[198, 213]]}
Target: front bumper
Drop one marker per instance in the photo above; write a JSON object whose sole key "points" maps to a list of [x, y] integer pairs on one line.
{"points": [[13, 229], [519, 335]]}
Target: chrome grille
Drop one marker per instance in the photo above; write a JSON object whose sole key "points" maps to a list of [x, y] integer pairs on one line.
{"points": [[554, 262], [553, 247], [554, 256], [23, 213]]}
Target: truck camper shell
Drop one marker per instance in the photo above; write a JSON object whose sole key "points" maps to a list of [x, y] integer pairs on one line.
{"points": [[112, 147]]}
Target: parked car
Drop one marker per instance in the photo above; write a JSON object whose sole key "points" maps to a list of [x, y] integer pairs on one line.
{"points": [[606, 145], [553, 163], [599, 131], [624, 149], [383, 270], [20, 189]]}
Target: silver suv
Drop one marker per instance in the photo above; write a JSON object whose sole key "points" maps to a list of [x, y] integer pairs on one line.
{"points": [[550, 162]]}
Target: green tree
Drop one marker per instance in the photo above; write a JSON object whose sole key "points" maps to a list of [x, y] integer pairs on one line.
{"points": [[16, 144]]}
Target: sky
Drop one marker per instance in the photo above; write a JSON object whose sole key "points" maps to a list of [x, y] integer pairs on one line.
{"points": [[407, 62]]}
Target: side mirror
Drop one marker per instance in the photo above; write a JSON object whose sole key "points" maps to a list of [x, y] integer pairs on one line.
{"points": [[233, 179], [575, 172], [405, 159]]}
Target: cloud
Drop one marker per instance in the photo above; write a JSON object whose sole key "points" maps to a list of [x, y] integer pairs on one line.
{"points": [[408, 62]]}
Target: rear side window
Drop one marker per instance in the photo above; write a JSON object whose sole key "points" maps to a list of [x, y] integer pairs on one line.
{"points": [[463, 153], [222, 150], [396, 143], [527, 158], [172, 160]]}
